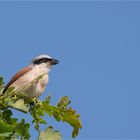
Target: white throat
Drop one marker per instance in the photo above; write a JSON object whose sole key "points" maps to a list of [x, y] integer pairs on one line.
{"points": [[43, 68]]}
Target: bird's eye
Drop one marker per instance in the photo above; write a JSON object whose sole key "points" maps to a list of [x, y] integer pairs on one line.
{"points": [[43, 59], [47, 59]]}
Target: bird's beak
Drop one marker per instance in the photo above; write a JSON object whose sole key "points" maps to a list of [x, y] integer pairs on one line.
{"points": [[54, 61]]}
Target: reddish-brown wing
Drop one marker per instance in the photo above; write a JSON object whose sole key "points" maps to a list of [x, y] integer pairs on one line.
{"points": [[17, 76]]}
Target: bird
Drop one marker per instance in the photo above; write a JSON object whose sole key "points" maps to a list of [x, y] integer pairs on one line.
{"points": [[33, 79]]}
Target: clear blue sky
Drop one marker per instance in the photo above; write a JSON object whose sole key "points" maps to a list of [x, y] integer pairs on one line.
{"points": [[98, 45]]}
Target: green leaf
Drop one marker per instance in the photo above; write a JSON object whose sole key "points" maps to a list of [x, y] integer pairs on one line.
{"points": [[1, 85], [4, 127], [69, 115], [19, 105], [71, 118], [1, 80], [23, 129], [5, 134], [7, 117], [49, 134], [8, 136]]}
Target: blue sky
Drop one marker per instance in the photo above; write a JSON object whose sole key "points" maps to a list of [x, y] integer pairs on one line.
{"points": [[98, 46]]}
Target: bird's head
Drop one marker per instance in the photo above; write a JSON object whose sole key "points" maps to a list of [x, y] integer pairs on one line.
{"points": [[44, 60]]}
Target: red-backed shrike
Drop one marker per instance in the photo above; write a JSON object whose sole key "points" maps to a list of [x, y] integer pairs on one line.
{"points": [[33, 79]]}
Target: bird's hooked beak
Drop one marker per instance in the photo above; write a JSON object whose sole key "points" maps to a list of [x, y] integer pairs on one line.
{"points": [[54, 61]]}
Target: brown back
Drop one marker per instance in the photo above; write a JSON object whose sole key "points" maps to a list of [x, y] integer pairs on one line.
{"points": [[17, 76]]}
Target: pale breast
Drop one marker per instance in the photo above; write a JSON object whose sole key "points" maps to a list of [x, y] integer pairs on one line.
{"points": [[32, 83], [37, 87]]}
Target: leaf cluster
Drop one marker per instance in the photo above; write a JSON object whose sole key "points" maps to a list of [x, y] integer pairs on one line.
{"points": [[11, 128]]}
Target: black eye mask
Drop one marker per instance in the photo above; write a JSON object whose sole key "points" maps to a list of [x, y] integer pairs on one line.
{"points": [[42, 60]]}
